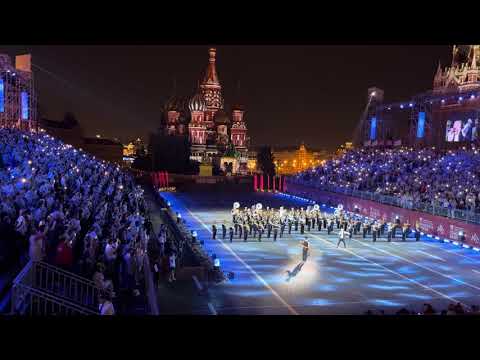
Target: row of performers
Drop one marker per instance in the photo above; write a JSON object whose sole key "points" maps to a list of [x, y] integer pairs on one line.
{"points": [[255, 222]]}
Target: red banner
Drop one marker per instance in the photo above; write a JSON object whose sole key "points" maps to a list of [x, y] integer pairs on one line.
{"points": [[255, 182], [440, 226]]}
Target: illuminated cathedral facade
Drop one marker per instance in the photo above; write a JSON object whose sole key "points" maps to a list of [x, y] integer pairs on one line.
{"points": [[464, 72], [215, 133]]}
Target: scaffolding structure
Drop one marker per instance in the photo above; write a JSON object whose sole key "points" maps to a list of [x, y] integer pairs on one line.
{"points": [[18, 100]]}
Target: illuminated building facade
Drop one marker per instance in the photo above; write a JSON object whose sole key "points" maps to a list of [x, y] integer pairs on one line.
{"points": [[203, 118], [18, 105], [446, 116], [291, 161]]}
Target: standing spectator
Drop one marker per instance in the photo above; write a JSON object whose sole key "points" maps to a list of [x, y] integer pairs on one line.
{"points": [[37, 244], [172, 267]]}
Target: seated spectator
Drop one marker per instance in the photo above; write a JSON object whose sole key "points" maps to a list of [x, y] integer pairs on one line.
{"points": [[415, 178]]}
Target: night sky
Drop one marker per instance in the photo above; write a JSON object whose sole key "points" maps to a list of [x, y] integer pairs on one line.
{"points": [[314, 94]]}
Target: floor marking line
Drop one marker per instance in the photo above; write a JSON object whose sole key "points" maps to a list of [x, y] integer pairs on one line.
{"points": [[249, 268], [478, 272], [430, 255], [449, 251], [392, 271], [212, 309], [422, 266], [302, 306], [197, 283]]}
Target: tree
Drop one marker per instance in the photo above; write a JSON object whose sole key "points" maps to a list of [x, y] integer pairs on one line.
{"points": [[265, 160]]}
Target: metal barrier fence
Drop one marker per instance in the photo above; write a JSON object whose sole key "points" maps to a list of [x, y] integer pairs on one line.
{"points": [[458, 214], [150, 291], [41, 289]]}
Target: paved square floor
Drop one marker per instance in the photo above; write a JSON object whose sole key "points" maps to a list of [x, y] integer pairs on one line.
{"points": [[365, 275]]}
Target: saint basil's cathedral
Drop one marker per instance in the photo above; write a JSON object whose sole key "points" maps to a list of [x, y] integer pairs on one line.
{"points": [[216, 136]]}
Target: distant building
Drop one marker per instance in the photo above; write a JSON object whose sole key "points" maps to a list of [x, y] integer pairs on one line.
{"points": [[293, 160], [69, 132], [105, 149], [132, 150], [344, 147]]}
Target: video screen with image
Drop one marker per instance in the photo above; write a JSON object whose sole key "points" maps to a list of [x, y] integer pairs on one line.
{"points": [[462, 130]]}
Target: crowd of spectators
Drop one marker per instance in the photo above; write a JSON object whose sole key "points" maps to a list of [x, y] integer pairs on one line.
{"points": [[62, 206], [430, 177], [428, 309]]}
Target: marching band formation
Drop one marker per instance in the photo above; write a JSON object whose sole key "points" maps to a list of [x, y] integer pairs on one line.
{"points": [[256, 222]]}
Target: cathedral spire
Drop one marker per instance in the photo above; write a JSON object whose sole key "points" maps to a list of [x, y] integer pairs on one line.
{"points": [[211, 77], [474, 56]]}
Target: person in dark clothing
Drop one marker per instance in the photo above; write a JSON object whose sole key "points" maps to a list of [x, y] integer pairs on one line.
{"points": [[224, 231], [10, 252], [296, 224], [289, 227], [275, 233], [245, 233], [305, 248], [417, 234], [240, 230], [332, 224], [269, 230], [214, 232], [231, 234], [282, 229]]}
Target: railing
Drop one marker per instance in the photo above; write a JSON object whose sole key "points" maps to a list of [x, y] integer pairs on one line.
{"points": [[152, 301], [458, 214], [49, 289], [30, 301]]}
